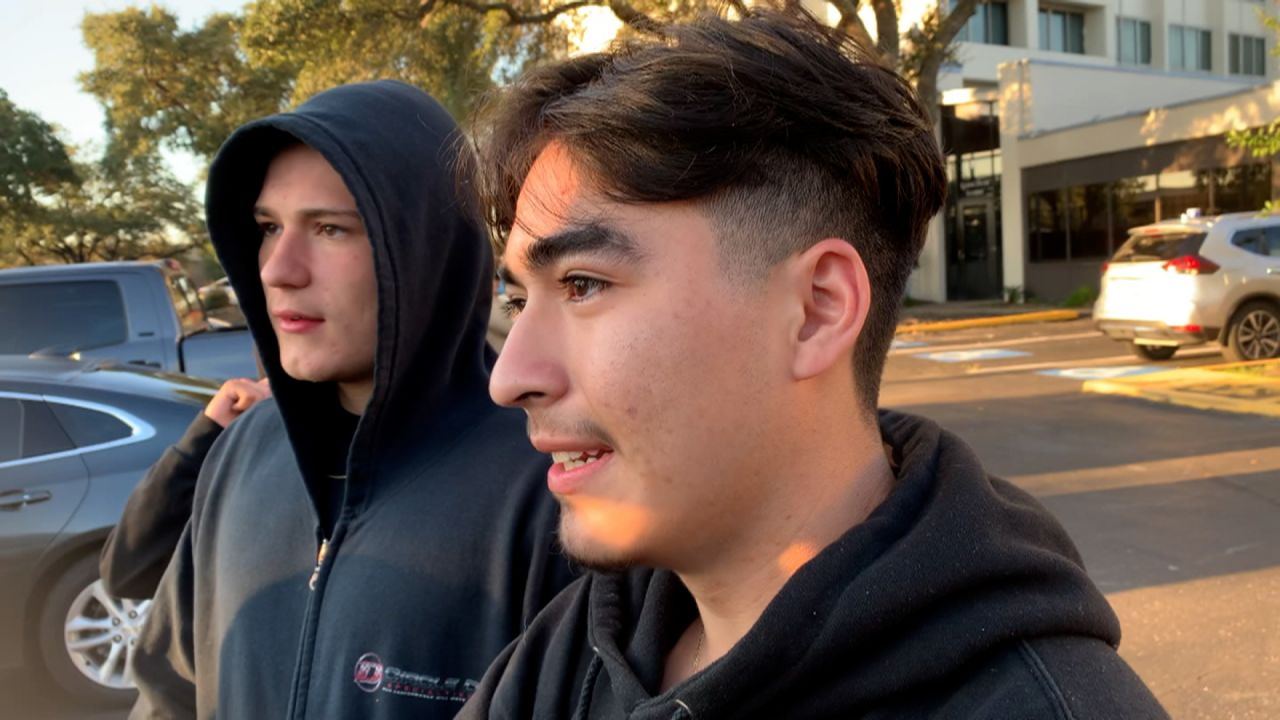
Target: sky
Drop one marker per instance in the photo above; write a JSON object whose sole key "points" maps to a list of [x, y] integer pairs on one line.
{"points": [[41, 53]]}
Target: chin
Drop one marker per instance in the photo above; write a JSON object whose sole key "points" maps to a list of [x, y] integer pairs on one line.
{"points": [[307, 372], [591, 551]]}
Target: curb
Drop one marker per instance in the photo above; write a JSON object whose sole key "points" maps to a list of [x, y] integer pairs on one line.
{"points": [[966, 323], [1210, 387]]}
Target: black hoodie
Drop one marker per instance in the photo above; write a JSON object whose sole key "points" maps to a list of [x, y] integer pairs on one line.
{"points": [[444, 538], [960, 597]]}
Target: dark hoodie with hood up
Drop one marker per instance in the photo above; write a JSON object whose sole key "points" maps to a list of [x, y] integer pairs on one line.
{"points": [[443, 542], [959, 597]]}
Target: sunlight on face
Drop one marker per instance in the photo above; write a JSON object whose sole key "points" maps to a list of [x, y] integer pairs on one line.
{"points": [[627, 324], [316, 266]]}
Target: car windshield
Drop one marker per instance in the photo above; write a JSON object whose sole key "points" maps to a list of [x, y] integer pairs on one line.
{"points": [[1148, 248]]}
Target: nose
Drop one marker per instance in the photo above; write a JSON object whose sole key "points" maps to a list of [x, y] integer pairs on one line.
{"points": [[530, 373], [282, 259]]}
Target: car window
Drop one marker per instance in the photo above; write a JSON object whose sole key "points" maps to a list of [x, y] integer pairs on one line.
{"points": [[89, 427], [1272, 234], [1147, 248], [28, 429], [60, 317], [42, 434], [186, 302], [1253, 240], [10, 429]]}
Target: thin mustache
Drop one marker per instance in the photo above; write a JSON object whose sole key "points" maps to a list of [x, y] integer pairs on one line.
{"points": [[536, 427]]}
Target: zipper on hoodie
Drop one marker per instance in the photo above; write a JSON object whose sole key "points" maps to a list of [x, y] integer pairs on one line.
{"points": [[310, 620], [320, 556]]}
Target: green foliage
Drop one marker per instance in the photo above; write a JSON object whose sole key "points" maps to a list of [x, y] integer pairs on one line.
{"points": [[454, 55], [116, 210], [1083, 296], [1014, 295], [164, 87], [33, 160]]}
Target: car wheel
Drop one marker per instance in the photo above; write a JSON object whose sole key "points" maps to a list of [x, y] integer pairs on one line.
{"points": [[1254, 333], [1154, 352], [87, 638]]}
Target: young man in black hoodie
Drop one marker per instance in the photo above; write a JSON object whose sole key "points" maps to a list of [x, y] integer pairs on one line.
{"points": [[705, 240], [364, 543]]}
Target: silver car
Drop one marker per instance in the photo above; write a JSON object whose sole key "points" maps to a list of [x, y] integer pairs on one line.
{"points": [[1196, 280]]}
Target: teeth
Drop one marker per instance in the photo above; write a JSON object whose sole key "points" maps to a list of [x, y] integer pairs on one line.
{"points": [[577, 458]]}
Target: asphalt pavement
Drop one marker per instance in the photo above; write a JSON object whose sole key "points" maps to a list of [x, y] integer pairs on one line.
{"points": [[1176, 510]]}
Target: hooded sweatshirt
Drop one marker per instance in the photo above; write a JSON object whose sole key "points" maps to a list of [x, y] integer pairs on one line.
{"points": [[442, 544], [959, 597]]}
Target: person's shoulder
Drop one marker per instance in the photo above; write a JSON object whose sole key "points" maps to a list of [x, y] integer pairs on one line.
{"points": [[246, 441], [1054, 677]]}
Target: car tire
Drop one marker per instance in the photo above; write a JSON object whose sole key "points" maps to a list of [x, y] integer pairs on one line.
{"points": [[1254, 332], [82, 631], [1154, 352]]}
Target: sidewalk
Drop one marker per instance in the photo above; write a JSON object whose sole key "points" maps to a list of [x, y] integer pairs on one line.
{"points": [[937, 317], [1252, 387]]}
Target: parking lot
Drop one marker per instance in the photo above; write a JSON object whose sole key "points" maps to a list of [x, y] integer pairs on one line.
{"points": [[1174, 509]]}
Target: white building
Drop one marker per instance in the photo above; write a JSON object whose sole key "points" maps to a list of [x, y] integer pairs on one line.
{"points": [[1066, 123]]}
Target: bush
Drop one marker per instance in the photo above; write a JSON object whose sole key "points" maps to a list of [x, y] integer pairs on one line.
{"points": [[1082, 296]]}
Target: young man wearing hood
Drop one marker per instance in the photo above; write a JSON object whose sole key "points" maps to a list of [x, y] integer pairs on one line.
{"points": [[363, 544], [705, 240]]}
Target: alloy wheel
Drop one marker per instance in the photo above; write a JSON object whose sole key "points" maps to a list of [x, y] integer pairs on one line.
{"points": [[101, 635], [1259, 335]]}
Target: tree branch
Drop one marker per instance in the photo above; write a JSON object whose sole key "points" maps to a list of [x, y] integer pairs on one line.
{"points": [[887, 29], [851, 24], [954, 21], [623, 9]]}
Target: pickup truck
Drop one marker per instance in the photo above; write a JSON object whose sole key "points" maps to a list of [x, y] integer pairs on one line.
{"points": [[143, 313]]}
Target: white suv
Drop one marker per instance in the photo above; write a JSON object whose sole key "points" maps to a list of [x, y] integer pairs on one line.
{"points": [[1195, 280]]}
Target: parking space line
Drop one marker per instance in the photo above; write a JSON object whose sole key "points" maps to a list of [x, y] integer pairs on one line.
{"points": [[993, 343], [1058, 364]]}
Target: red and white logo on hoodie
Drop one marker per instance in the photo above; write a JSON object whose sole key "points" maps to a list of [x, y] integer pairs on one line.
{"points": [[369, 672]]}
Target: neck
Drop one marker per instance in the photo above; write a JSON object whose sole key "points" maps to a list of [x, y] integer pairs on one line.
{"points": [[846, 475], [354, 396]]}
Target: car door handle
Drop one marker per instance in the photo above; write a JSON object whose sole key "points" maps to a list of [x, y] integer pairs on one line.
{"points": [[18, 499], [1273, 271]]}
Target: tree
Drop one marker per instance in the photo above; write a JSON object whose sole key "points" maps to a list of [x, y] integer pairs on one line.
{"points": [[919, 55], [55, 209], [1263, 142], [188, 90], [164, 87], [117, 209], [33, 160]]}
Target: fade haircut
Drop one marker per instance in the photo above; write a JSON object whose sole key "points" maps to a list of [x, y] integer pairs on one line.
{"points": [[784, 131]]}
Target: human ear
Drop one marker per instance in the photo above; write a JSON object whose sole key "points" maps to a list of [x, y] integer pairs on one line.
{"points": [[834, 295]]}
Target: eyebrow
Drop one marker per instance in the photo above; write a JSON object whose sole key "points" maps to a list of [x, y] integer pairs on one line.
{"points": [[591, 238], [312, 213]]}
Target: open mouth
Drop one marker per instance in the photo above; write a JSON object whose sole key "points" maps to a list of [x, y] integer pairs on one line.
{"points": [[575, 459]]}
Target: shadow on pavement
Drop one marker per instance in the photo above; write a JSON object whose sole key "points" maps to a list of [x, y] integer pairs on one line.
{"points": [[1074, 431], [1148, 535]]}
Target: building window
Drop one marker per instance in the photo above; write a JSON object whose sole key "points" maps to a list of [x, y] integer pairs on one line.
{"points": [[1248, 55], [1089, 222], [1062, 31], [989, 24], [1135, 42], [1189, 49]]}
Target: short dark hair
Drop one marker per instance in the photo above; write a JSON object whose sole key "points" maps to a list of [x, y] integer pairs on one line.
{"points": [[785, 131]]}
